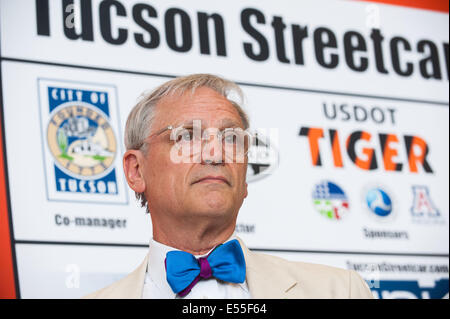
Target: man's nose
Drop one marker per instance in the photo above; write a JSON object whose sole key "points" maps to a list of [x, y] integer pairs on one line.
{"points": [[212, 150]]}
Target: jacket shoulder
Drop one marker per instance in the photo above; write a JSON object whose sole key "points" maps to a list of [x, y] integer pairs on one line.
{"points": [[317, 280], [107, 292], [129, 287]]}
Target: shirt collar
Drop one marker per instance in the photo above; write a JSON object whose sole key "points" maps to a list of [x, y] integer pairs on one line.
{"points": [[156, 266]]}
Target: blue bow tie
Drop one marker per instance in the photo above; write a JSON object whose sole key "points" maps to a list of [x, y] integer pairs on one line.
{"points": [[226, 262]]}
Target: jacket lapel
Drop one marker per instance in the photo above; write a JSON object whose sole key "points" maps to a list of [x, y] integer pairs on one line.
{"points": [[265, 279], [131, 286]]}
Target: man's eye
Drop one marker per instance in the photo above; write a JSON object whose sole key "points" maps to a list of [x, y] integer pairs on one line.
{"points": [[230, 138], [185, 136]]}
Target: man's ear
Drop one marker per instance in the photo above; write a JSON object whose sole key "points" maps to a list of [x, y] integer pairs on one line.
{"points": [[133, 168]]}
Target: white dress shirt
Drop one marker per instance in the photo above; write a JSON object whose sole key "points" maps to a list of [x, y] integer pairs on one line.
{"points": [[157, 287]]}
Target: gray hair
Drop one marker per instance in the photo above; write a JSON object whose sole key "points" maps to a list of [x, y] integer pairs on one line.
{"points": [[141, 117]]}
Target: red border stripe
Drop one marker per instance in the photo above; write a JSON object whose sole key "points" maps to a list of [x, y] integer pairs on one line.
{"points": [[7, 285], [434, 5]]}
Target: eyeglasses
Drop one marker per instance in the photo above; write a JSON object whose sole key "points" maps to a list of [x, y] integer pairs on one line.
{"points": [[189, 141]]}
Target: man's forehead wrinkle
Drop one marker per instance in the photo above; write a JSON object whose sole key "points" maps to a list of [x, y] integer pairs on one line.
{"points": [[224, 123], [216, 111], [206, 105]]}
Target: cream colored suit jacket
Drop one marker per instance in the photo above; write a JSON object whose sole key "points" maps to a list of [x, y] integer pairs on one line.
{"points": [[267, 277]]}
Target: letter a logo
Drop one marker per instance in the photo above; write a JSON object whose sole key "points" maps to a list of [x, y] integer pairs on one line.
{"points": [[422, 204]]}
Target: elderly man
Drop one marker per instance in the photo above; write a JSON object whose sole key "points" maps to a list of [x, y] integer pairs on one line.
{"points": [[186, 161]]}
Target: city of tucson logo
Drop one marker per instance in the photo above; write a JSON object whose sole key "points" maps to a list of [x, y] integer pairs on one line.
{"points": [[79, 132]]}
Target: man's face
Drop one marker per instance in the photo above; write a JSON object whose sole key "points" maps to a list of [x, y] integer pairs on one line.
{"points": [[193, 188]]}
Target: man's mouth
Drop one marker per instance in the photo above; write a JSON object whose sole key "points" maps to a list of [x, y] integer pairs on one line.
{"points": [[212, 179]]}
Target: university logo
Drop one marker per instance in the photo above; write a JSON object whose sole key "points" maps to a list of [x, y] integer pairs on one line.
{"points": [[378, 202], [423, 208], [79, 125], [330, 200]]}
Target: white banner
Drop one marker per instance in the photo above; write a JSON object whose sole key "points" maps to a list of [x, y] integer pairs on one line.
{"points": [[350, 105]]}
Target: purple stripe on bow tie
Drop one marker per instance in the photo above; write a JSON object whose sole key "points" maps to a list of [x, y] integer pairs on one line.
{"points": [[205, 272]]}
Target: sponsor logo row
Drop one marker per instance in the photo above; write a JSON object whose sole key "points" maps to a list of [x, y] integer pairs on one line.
{"points": [[331, 201]]}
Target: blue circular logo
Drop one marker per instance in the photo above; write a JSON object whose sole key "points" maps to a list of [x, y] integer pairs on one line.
{"points": [[379, 202]]}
